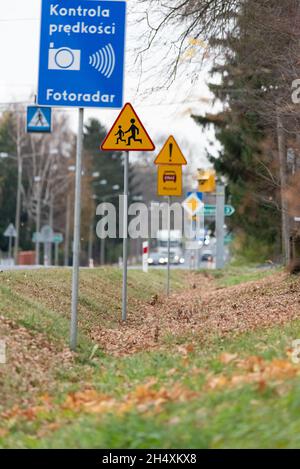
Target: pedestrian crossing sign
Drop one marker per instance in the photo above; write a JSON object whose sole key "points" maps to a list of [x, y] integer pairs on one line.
{"points": [[128, 133], [39, 119]]}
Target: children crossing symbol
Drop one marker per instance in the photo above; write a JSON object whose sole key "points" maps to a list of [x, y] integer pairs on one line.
{"points": [[120, 134], [134, 132], [128, 133]]}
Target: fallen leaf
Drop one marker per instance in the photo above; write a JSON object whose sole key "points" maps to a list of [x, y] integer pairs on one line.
{"points": [[227, 358]]}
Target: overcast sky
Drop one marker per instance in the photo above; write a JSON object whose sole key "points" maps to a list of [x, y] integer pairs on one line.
{"points": [[163, 112]]}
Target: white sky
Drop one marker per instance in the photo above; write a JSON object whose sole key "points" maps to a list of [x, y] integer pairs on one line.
{"points": [[165, 112]]}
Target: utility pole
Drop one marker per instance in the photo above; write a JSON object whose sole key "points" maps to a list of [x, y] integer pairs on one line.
{"points": [[19, 190], [282, 156]]}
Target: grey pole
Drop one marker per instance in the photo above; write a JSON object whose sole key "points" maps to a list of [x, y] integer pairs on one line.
{"points": [[56, 254], [10, 247], [169, 246], [67, 233], [91, 240], [51, 218], [76, 249], [125, 237], [220, 222], [102, 251], [18, 207], [38, 224]]}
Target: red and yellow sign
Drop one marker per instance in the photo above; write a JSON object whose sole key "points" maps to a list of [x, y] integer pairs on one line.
{"points": [[170, 180], [169, 177], [128, 133]]}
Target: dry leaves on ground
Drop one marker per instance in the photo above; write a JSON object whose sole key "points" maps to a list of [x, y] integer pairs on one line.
{"points": [[254, 370], [202, 312], [32, 360], [146, 398]]}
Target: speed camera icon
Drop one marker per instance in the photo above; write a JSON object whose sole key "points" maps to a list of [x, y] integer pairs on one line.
{"points": [[64, 58]]}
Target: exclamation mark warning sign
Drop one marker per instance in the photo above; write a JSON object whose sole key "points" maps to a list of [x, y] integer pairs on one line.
{"points": [[170, 152]]}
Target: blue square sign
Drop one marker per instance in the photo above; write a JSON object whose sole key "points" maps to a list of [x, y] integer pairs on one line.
{"points": [[82, 52], [39, 119]]}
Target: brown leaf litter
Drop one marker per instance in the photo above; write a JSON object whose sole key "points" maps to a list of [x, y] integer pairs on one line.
{"points": [[202, 312]]}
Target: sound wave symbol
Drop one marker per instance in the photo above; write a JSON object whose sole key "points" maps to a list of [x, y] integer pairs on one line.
{"points": [[104, 60]]}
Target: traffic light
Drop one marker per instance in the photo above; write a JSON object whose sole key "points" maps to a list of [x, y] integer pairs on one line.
{"points": [[207, 180]]}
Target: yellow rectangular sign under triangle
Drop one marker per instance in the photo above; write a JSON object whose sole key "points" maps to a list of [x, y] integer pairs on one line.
{"points": [[169, 180], [128, 133]]}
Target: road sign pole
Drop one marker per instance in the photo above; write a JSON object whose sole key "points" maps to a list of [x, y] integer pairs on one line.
{"points": [[67, 231], [125, 236], [56, 255], [38, 223], [76, 247], [19, 196], [169, 246], [10, 247], [220, 222]]}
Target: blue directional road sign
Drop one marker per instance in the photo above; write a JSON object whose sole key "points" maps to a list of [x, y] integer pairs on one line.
{"points": [[82, 52], [39, 119]]}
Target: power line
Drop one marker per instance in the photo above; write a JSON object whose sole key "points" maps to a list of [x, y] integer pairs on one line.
{"points": [[12, 20]]}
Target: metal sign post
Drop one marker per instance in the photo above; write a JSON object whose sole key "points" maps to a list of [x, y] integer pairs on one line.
{"points": [[125, 236], [127, 134], [76, 247], [169, 183], [169, 246], [220, 222], [10, 247], [10, 233], [81, 65], [38, 219]]}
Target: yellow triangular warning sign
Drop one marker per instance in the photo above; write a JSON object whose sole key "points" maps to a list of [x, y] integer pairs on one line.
{"points": [[128, 133], [170, 154]]}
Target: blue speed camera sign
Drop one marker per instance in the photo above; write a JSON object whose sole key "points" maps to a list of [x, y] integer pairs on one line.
{"points": [[82, 53]]}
